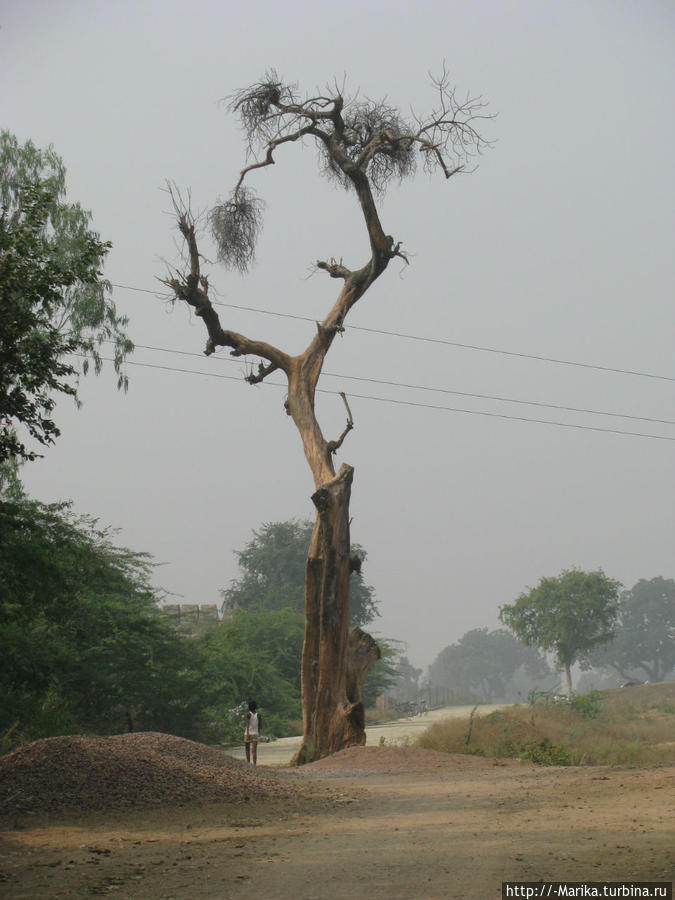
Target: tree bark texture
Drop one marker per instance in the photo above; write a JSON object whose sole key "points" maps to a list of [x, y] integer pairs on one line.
{"points": [[335, 661]]}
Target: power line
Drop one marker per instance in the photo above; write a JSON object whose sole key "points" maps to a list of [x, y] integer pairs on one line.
{"points": [[420, 387], [432, 340], [470, 412]]}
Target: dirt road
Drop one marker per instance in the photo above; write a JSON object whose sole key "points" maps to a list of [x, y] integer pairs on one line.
{"points": [[280, 752], [396, 824]]}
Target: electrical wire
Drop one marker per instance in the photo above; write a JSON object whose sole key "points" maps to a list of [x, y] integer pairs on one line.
{"points": [[409, 403], [420, 387], [432, 340]]}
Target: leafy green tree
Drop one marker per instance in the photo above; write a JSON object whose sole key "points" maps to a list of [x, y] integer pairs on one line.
{"points": [[483, 662], [645, 632], [273, 565], [83, 643], [568, 615], [254, 655], [53, 300]]}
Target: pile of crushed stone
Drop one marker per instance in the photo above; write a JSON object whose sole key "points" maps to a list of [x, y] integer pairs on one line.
{"points": [[127, 770], [363, 761]]}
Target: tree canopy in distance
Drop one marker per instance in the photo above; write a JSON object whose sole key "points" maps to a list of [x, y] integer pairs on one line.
{"points": [[567, 615], [645, 633], [483, 662], [363, 145], [273, 566]]}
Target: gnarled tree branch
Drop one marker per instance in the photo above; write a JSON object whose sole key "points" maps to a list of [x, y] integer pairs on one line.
{"points": [[262, 373], [193, 288], [334, 446], [335, 269]]}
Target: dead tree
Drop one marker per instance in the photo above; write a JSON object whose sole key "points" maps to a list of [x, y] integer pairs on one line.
{"points": [[364, 145]]}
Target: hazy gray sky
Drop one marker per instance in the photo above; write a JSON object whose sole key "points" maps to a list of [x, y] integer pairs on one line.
{"points": [[559, 245]]}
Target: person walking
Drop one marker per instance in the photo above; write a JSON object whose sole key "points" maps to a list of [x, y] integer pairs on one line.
{"points": [[253, 728]]}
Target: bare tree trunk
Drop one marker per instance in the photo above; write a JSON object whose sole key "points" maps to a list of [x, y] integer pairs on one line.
{"points": [[335, 661], [568, 679]]}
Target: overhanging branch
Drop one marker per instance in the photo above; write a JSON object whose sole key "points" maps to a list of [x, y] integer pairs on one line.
{"points": [[269, 156], [193, 288]]}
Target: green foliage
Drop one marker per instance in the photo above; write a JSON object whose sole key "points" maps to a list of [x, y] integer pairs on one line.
{"points": [[483, 662], [586, 705], [257, 655], [264, 624], [544, 753], [568, 615], [273, 569], [53, 301], [467, 736], [617, 727], [384, 673], [253, 656], [273, 574], [83, 643], [86, 648], [502, 733], [645, 632]]}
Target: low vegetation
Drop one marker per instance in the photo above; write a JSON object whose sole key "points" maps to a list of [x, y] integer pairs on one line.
{"points": [[633, 726]]}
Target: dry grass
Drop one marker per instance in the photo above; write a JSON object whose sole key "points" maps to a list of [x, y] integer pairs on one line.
{"points": [[630, 726]]}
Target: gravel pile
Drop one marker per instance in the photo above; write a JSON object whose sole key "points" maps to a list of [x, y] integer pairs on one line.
{"points": [[90, 773]]}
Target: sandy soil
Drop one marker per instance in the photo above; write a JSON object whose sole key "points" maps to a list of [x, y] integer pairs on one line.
{"points": [[381, 823]]}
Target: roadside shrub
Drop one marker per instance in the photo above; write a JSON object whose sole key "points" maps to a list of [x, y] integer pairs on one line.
{"points": [[545, 753], [587, 705], [607, 728]]}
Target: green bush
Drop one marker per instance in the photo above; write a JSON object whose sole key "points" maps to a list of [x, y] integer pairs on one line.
{"points": [[545, 753], [587, 705]]}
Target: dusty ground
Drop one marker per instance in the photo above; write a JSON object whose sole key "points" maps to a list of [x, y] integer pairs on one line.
{"points": [[374, 822]]}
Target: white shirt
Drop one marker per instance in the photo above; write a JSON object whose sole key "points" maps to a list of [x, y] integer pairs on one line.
{"points": [[252, 727]]}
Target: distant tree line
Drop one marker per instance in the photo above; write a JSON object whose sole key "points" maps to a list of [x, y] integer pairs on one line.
{"points": [[643, 646], [580, 618], [488, 666]]}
